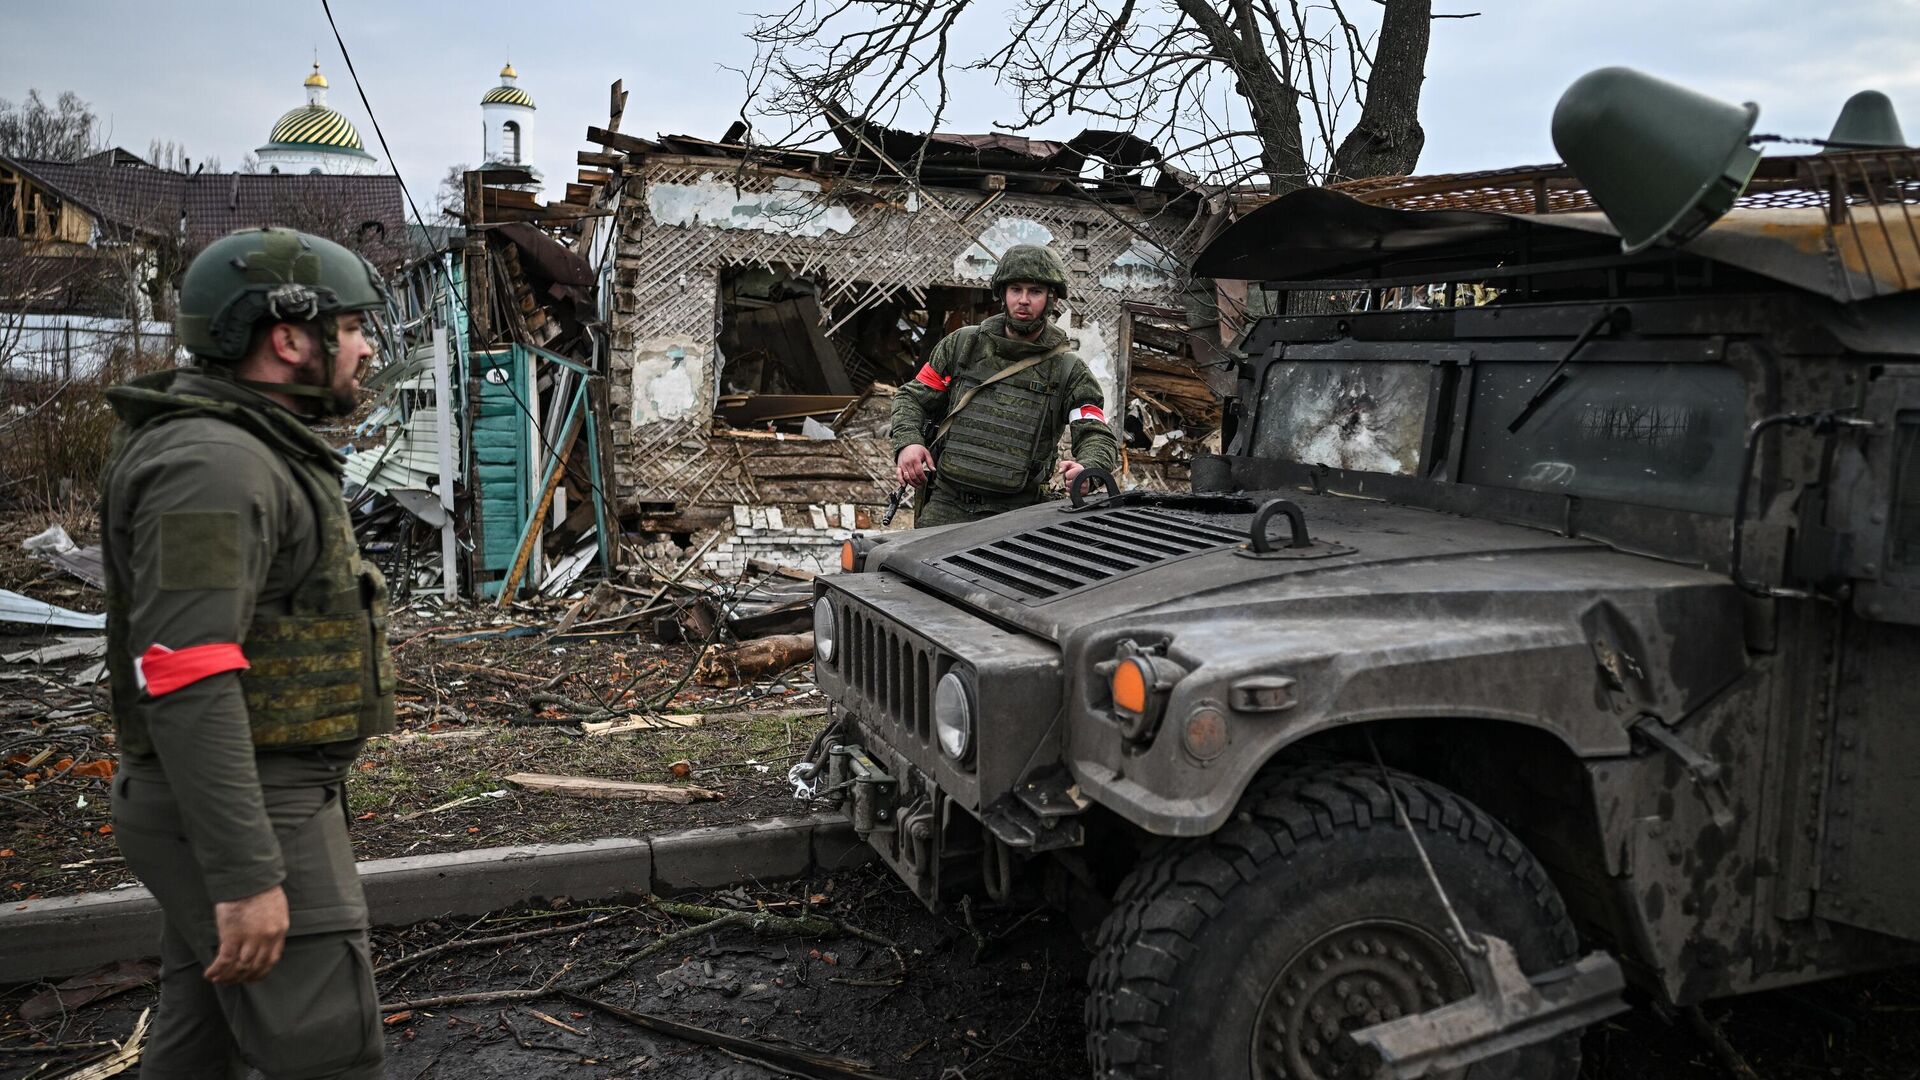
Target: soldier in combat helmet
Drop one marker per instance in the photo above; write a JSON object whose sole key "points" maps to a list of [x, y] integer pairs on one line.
{"points": [[998, 395], [248, 655]]}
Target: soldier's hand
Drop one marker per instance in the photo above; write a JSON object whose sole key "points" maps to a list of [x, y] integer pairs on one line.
{"points": [[253, 931], [1066, 471], [914, 465]]}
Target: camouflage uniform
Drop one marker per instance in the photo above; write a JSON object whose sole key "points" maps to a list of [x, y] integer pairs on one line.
{"points": [[248, 656], [999, 452]]}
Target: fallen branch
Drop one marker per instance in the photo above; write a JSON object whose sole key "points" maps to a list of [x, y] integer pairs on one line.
{"points": [[587, 787], [122, 1059], [497, 939], [781, 1058], [725, 666], [1730, 1058], [496, 672]]}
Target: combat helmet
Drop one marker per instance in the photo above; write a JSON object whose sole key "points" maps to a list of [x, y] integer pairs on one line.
{"points": [[278, 274], [1031, 262]]}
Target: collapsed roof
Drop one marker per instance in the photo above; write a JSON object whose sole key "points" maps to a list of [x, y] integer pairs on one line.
{"points": [[1840, 225]]}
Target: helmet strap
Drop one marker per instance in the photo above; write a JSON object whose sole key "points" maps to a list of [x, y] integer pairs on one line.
{"points": [[327, 328]]}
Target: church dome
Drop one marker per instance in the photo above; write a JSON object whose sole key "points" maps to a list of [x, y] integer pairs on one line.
{"points": [[316, 127], [507, 95]]}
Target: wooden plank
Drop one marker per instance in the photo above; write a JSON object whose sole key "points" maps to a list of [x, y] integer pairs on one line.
{"points": [[595, 176], [579, 193], [613, 140], [642, 723], [599, 160], [508, 197], [552, 212], [587, 787]]}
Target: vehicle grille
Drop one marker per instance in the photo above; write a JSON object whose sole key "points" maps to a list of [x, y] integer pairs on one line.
{"points": [[892, 671], [1084, 550]]}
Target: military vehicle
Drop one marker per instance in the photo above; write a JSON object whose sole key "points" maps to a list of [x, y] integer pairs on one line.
{"points": [[1574, 620]]}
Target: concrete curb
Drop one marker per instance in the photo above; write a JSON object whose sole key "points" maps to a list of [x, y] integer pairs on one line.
{"points": [[42, 939]]}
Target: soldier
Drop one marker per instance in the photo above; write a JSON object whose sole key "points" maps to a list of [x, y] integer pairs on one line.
{"points": [[1000, 392], [247, 647]]}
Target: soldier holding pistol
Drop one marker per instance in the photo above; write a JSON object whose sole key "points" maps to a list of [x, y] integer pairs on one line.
{"points": [[1000, 394], [248, 654]]}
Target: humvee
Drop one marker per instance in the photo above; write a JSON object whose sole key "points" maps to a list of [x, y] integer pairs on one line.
{"points": [[1575, 619]]}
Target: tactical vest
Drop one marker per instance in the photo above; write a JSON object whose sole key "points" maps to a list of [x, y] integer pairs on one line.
{"points": [[1002, 443], [320, 673]]}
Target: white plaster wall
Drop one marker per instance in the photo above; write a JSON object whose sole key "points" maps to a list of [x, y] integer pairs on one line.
{"points": [[794, 207], [977, 263], [669, 381], [301, 162], [1142, 266], [494, 117], [1096, 344]]}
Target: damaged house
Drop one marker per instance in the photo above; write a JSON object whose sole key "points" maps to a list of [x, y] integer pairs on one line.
{"points": [[763, 306]]}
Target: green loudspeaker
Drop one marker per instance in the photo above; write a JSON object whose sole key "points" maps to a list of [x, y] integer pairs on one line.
{"points": [[1867, 120], [1661, 160]]}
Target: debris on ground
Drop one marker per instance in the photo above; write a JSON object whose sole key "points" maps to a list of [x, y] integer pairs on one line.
{"points": [[736, 665], [587, 787]]}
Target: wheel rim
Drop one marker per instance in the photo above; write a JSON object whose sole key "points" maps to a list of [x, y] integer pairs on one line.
{"points": [[1356, 976]]}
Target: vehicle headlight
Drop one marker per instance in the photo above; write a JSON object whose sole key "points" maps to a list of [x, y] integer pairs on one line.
{"points": [[953, 714], [823, 629]]}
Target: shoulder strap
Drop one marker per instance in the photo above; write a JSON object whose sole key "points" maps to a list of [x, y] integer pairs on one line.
{"points": [[1004, 373]]}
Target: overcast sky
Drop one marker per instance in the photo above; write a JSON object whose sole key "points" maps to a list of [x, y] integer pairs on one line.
{"points": [[213, 75]]}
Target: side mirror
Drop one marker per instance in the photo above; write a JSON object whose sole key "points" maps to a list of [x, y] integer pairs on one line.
{"points": [[1662, 161]]}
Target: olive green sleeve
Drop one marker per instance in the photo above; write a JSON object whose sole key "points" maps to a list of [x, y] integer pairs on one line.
{"points": [[202, 533], [924, 397], [1093, 442]]}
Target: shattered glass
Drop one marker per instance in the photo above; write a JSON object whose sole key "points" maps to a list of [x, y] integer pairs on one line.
{"points": [[1364, 416]]}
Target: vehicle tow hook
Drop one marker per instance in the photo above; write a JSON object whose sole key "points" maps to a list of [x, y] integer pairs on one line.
{"points": [[871, 790], [1506, 1012]]}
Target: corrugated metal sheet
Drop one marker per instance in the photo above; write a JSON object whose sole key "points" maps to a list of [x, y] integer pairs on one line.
{"points": [[410, 458]]}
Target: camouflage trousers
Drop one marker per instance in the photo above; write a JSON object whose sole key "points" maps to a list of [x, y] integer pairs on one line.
{"points": [[315, 1016], [945, 503]]}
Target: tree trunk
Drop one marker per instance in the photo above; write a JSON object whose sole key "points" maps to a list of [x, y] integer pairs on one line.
{"points": [[1273, 105], [1388, 138]]}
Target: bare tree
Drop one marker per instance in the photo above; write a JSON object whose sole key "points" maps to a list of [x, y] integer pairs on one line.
{"points": [[67, 130], [450, 201], [1299, 93], [172, 156]]}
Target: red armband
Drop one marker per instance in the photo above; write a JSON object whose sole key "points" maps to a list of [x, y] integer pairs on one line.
{"points": [[161, 671], [932, 378], [1087, 412]]}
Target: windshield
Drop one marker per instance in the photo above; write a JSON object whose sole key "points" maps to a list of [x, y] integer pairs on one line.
{"points": [[1666, 435], [1366, 416]]}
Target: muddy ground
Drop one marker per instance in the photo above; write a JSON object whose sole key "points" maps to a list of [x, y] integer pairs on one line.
{"points": [[995, 994]]}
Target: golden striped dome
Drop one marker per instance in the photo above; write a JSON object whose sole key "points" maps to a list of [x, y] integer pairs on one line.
{"points": [[507, 95], [317, 127]]}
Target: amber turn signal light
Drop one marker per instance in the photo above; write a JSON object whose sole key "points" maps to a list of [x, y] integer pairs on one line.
{"points": [[849, 560], [1129, 684]]}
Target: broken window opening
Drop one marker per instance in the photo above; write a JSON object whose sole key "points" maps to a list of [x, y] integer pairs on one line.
{"points": [[796, 348]]}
